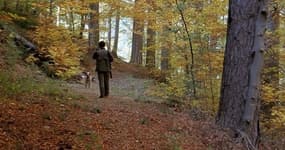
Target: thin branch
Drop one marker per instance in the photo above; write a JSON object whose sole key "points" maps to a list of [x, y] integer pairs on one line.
{"points": [[191, 47]]}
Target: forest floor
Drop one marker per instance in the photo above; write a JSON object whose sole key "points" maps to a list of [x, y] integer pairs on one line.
{"points": [[77, 119], [123, 121]]}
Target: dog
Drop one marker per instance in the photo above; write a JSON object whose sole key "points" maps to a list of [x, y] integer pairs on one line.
{"points": [[88, 79]]}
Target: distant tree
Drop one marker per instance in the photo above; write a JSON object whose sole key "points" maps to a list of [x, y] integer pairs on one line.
{"points": [[151, 34], [117, 30], [93, 34], [137, 41], [82, 25], [166, 45], [50, 7], [83, 18], [17, 5], [5, 5], [93, 25], [109, 31], [72, 19], [189, 66], [240, 89]]}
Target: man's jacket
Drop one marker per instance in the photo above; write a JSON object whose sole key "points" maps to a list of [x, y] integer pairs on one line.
{"points": [[103, 60]]}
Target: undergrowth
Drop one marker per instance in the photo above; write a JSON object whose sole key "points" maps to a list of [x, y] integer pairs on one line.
{"points": [[18, 79], [12, 85]]}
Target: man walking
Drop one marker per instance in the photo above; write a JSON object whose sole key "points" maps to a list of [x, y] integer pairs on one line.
{"points": [[103, 68]]}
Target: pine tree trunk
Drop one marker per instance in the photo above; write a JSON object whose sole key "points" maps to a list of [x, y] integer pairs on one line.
{"points": [[240, 102]]}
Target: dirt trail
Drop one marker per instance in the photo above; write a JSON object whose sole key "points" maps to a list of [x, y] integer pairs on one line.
{"points": [[121, 85], [128, 119], [125, 123]]}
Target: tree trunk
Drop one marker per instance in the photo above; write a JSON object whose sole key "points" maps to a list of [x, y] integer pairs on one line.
{"points": [[27, 7], [93, 26], [109, 31], [17, 5], [210, 74], [151, 21], [164, 59], [239, 102], [50, 8], [137, 42], [93, 35], [116, 39], [72, 26], [5, 5], [189, 66], [83, 17], [150, 53], [82, 25], [167, 44]]}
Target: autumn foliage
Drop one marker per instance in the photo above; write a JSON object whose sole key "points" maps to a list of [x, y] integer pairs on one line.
{"points": [[185, 41]]}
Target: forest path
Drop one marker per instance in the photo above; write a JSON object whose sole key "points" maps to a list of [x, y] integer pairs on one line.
{"points": [[128, 119], [122, 85], [123, 121]]}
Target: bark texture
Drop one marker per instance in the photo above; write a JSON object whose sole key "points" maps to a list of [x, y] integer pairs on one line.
{"points": [[239, 102]]}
